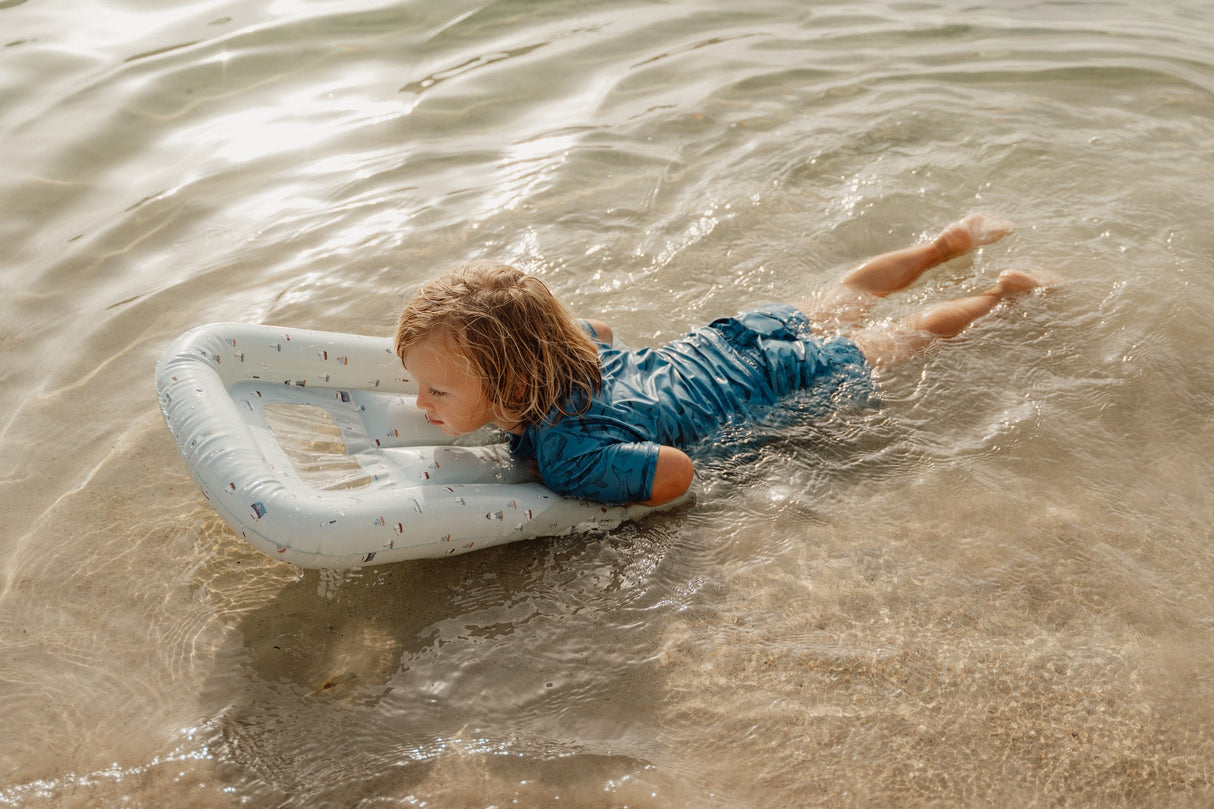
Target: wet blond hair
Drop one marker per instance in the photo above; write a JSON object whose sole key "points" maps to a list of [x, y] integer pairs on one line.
{"points": [[530, 355]]}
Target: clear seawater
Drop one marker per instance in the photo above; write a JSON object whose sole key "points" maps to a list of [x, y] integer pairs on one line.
{"points": [[995, 590]]}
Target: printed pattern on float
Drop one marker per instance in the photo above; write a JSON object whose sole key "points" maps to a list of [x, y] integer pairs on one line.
{"points": [[419, 495]]}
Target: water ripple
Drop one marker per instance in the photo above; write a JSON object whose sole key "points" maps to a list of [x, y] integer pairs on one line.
{"points": [[994, 587]]}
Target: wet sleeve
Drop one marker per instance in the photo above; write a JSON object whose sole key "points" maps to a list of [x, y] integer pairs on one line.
{"points": [[604, 471]]}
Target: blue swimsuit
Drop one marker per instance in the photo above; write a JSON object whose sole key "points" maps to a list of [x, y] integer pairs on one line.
{"points": [[682, 393]]}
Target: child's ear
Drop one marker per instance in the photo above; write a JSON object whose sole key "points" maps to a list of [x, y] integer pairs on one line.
{"points": [[512, 403], [509, 412], [515, 388], [518, 396]]}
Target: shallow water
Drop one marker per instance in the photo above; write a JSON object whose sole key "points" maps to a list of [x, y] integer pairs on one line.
{"points": [[998, 589]]}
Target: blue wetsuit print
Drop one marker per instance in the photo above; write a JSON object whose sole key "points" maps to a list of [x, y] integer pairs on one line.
{"points": [[680, 394]]}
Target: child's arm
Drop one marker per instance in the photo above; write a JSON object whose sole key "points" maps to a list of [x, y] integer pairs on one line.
{"points": [[671, 477], [602, 331], [589, 461]]}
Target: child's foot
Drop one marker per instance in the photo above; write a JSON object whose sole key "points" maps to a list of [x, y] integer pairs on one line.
{"points": [[1016, 282], [970, 232]]}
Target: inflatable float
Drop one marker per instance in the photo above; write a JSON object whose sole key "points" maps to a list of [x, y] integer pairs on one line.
{"points": [[362, 478]]}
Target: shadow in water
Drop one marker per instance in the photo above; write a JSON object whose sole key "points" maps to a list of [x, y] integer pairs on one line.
{"points": [[532, 661]]}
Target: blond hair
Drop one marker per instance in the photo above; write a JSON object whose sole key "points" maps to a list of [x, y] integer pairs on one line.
{"points": [[530, 355]]}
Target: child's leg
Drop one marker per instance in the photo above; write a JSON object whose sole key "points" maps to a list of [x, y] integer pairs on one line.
{"points": [[850, 299], [886, 346]]}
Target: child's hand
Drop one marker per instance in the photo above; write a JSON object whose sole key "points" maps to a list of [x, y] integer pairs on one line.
{"points": [[533, 468]]}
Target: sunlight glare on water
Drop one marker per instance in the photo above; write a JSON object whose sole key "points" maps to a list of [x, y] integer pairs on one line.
{"points": [[997, 588]]}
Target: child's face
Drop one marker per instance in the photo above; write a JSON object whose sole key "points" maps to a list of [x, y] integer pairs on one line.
{"points": [[453, 397]]}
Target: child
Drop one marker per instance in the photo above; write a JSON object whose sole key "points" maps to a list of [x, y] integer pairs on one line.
{"points": [[488, 344]]}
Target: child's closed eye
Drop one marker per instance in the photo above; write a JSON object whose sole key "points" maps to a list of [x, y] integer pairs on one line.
{"points": [[437, 393]]}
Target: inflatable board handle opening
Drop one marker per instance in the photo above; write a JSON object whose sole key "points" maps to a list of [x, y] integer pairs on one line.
{"points": [[415, 494]]}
